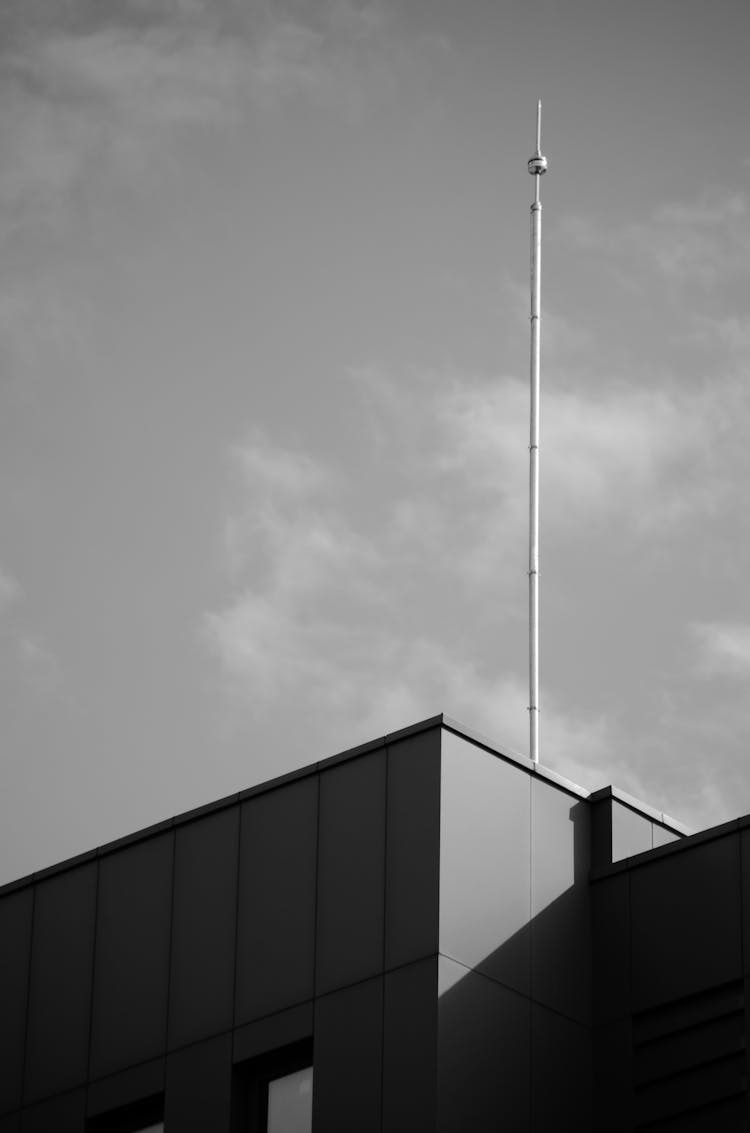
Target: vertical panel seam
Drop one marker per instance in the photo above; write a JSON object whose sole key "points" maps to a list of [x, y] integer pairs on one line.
{"points": [[170, 949], [439, 914], [629, 914], [93, 977], [743, 977], [386, 819], [235, 1006], [318, 778], [24, 1057], [316, 917]]}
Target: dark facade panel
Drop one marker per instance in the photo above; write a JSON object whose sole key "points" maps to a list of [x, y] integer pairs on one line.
{"points": [[483, 1054], [15, 946], [744, 836], [560, 901], [485, 842], [632, 833], [410, 1048], [610, 929], [284, 1029], [201, 990], [561, 1073], [276, 931], [412, 910], [348, 1060], [131, 973], [351, 872], [65, 1112], [11, 1123], [199, 1087], [612, 1068], [62, 956], [685, 922], [127, 1088]]}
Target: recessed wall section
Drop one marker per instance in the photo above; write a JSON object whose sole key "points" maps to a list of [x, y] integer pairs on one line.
{"points": [[685, 922]]}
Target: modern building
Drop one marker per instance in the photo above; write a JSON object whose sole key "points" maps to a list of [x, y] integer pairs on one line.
{"points": [[421, 934]]}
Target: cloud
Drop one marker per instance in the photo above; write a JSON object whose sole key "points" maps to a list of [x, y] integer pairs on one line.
{"points": [[10, 592], [380, 614], [704, 242], [723, 648], [644, 455]]}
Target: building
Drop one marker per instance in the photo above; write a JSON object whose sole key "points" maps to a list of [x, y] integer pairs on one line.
{"points": [[421, 934]]}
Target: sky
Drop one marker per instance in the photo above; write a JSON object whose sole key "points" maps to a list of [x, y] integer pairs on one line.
{"points": [[264, 343]]}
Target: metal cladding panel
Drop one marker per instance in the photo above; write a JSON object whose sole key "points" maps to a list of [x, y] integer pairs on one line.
{"points": [[686, 922], [613, 1077], [561, 1073], [483, 1053], [610, 928], [745, 873], [560, 901], [412, 886], [127, 1088], [276, 929], [65, 1113], [410, 1048], [485, 881], [11, 1123], [201, 986], [131, 970], [15, 944], [351, 872], [199, 1087], [348, 1060], [62, 958], [632, 833], [273, 1032]]}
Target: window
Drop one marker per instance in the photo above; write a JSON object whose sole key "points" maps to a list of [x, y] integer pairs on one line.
{"points": [[290, 1102], [275, 1091]]}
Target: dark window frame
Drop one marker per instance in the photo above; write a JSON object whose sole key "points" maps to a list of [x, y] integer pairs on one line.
{"points": [[254, 1076], [129, 1118]]}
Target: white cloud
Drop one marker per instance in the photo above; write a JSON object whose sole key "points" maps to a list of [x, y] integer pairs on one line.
{"points": [[10, 591], [83, 105], [331, 603], [723, 648], [704, 242]]}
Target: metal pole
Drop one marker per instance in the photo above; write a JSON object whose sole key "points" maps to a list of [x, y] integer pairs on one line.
{"points": [[537, 166]]}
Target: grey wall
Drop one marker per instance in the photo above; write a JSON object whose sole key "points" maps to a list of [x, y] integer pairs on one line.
{"points": [[515, 945]]}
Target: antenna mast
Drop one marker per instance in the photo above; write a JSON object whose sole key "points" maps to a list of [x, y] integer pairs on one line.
{"points": [[537, 166]]}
